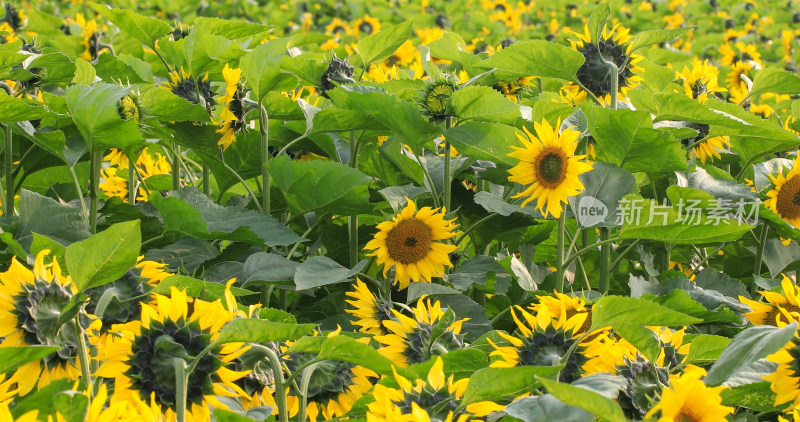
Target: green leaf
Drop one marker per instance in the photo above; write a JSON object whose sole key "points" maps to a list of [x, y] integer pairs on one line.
{"points": [[259, 331], [13, 246], [777, 81], [42, 399], [210, 44], [656, 36], [747, 347], [501, 383], [221, 415], [190, 212], [163, 105], [84, 72], [14, 109], [381, 45], [484, 141], [71, 405], [756, 396], [261, 67], [320, 185], [147, 30], [587, 400], [320, 271], [537, 58], [485, 104], [642, 338], [104, 257], [204, 290], [597, 21], [347, 349], [618, 311], [706, 348], [12, 357], [39, 214], [627, 139], [606, 183], [95, 111]]}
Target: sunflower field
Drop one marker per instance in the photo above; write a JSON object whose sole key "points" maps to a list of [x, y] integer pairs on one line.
{"points": [[400, 210]]}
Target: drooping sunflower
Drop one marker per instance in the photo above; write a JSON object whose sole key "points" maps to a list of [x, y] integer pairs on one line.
{"points": [[232, 115], [543, 340], [194, 90], [643, 382], [565, 304], [701, 80], [781, 308], [613, 46], [409, 340], [370, 310], [435, 398], [140, 357], [784, 197], [410, 244], [90, 37], [549, 166], [514, 88], [366, 26], [711, 148], [30, 303], [688, 399], [147, 165]]}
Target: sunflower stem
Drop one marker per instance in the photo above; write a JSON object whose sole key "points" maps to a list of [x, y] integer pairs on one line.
{"points": [[131, 182], [265, 179], [614, 83], [448, 123], [352, 221], [560, 266], [472, 227], [79, 190], [206, 179], [574, 346], [605, 259], [280, 392], [176, 167], [8, 201], [83, 356], [762, 240], [181, 387], [247, 187], [96, 158], [308, 372]]}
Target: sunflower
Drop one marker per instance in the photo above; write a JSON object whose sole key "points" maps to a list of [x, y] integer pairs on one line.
{"points": [[409, 244], [30, 302], [737, 89], [688, 399], [785, 381], [402, 57], [140, 357], [5, 414], [147, 165], [194, 90], [129, 108], [569, 306], [366, 26], [370, 310], [781, 308], [435, 398], [761, 110], [409, 340], [435, 99], [549, 166], [784, 197], [614, 45], [711, 148], [701, 80], [90, 37], [740, 52], [232, 115], [338, 28], [543, 340], [339, 72], [512, 89]]}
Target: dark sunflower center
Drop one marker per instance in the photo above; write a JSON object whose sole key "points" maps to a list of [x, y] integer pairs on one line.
{"points": [[185, 88], [365, 27], [794, 366], [788, 200], [338, 29], [546, 348], [329, 379], [772, 315], [644, 382], [437, 403], [153, 353], [595, 73], [686, 416], [37, 308], [551, 167], [500, 8], [410, 241]]}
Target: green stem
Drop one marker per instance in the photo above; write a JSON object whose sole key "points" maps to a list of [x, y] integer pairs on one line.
{"points": [[472, 227], [352, 221], [430, 181], [8, 204], [560, 267], [589, 248], [280, 392], [250, 192], [291, 143], [206, 179], [447, 163], [96, 159], [181, 387], [313, 225], [83, 356], [265, 179], [623, 253], [704, 261], [308, 372], [176, 167], [762, 240], [131, 182], [605, 258], [80, 193]]}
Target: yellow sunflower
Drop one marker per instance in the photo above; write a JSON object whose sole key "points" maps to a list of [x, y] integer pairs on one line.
{"points": [[28, 302], [366, 26], [409, 243], [700, 80], [89, 37], [549, 166], [736, 87], [338, 28], [436, 398], [781, 308], [232, 115], [142, 367], [408, 339], [614, 45], [711, 148], [740, 52], [370, 310], [194, 90], [5, 414], [785, 381], [784, 197], [147, 165], [688, 399], [514, 88], [762, 110]]}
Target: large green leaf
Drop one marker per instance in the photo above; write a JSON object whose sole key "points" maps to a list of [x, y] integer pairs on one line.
{"points": [[321, 270], [12, 357], [604, 186], [209, 44], [706, 349], [484, 141], [193, 287], [14, 109], [777, 81], [144, 29], [537, 58], [585, 399], [95, 111], [321, 185], [190, 212], [618, 311], [261, 67], [260, 331], [40, 214], [163, 105], [381, 45], [656, 36], [484, 103], [747, 347], [349, 350], [105, 256], [502, 383]]}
